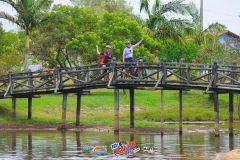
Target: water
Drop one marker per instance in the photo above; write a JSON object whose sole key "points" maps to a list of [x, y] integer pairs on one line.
{"points": [[69, 145]]}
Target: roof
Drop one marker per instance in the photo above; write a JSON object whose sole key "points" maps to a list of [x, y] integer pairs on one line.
{"points": [[231, 34], [234, 35]]}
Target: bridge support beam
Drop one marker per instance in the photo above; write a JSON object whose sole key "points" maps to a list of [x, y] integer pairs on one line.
{"points": [[116, 110], [29, 107], [131, 108], [64, 106], [162, 111], [231, 113], [180, 112], [14, 108], [78, 109], [216, 114]]}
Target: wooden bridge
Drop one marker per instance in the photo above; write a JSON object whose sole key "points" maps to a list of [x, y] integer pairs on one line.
{"points": [[211, 78]]}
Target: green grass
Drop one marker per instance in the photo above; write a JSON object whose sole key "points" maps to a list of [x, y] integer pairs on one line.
{"points": [[98, 108]]}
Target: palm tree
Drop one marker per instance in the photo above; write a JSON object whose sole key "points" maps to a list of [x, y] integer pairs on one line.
{"points": [[28, 17], [199, 35], [158, 20]]}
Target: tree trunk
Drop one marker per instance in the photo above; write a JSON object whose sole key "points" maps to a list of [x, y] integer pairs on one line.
{"points": [[79, 60], [25, 67]]}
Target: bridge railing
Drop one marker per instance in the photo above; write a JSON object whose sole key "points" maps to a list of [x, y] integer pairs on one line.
{"points": [[84, 76], [228, 76], [145, 74], [32, 82], [3, 84]]}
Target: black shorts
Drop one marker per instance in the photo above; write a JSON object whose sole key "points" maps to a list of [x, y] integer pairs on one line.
{"points": [[128, 60]]}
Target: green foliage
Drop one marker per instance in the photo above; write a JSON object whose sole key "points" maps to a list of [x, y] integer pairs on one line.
{"points": [[174, 51], [72, 32], [162, 26], [100, 6], [27, 18], [221, 53], [10, 61], [10, 57]]}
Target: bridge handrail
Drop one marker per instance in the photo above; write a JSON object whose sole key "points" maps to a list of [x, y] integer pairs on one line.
{"points": [[154, 75]]}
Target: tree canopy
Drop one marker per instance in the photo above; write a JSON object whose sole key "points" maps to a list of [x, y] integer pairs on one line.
{"points": [[68, 35]]}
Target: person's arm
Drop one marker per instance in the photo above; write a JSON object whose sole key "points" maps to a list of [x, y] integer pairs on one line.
{"points": [[137, 44], [97, 50]]}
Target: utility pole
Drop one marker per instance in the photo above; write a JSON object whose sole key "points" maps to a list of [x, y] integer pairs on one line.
{"points": [[201, 15]]}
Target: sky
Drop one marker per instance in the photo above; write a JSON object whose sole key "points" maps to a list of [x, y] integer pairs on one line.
{"points": [[223, 11]]}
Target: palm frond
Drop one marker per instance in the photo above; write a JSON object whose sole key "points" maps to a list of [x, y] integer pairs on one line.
{"points": [[8, 17], [144, 5], [215, 27], [176, 6]]}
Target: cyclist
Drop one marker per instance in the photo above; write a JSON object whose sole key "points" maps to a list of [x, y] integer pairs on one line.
{"points": [[128, 54], [106, 58]]}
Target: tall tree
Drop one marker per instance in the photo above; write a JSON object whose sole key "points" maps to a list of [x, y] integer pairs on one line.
{"points": [[158, 21], [28, 17], [57, 45], [100, 6], [198, 34], [1, 33]]}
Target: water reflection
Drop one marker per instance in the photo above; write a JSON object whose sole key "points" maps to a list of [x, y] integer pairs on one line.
{"points": [[64, 140], [69, 145], [217, 144], [78, 140], [231, 142], [29, 145]]}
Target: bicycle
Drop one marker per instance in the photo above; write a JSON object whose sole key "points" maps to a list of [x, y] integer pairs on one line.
{"points": [[137, 69], [98, 74]]}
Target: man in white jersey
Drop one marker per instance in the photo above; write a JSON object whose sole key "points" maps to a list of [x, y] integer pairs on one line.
{"points": [[128, 54]]}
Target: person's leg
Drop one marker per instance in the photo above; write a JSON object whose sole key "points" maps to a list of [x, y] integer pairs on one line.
{"points": [[126, 68], [103, 70]]}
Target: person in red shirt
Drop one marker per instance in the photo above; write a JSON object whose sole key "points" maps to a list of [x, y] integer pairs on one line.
{"points": [[106, 58]]}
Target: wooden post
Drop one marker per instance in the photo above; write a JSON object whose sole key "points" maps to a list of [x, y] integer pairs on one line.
{"points": [[59, 73], [29, 107], [216, 114], [164, 78], [116, 110], [10, 82], [216, 107], [162, 111], [182, 74], [114, 69], [231, 99], [64, 106], [30, 83], [79, 96], [14, 108], [231, 113], [131, 107], [180, 112]]}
